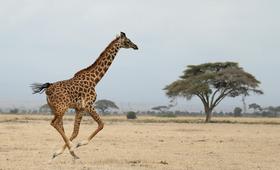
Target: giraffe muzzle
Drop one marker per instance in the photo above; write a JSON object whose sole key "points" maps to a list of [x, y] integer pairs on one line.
{"points": [[135, 47]]}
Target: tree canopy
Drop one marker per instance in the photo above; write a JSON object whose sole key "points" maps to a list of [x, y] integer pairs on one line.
{"points": [[212, 82], [255, 107], [160, 108], [104, 105], [237, 111]]}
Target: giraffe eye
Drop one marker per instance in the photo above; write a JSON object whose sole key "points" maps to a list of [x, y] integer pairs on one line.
{"points": [[126, 43]]}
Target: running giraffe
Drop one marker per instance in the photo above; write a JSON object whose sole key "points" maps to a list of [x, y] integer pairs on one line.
{"points": [[79, 93]]}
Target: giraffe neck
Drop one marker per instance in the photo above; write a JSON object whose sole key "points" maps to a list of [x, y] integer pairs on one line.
{"points": [[98, 69]]}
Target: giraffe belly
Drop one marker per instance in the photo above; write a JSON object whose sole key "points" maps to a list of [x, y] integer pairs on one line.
{"points": [[80, 104]]}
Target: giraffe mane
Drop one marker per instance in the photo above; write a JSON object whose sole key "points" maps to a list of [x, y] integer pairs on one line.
{"points": [[98, 59]]}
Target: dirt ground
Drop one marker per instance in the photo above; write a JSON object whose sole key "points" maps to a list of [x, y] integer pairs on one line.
{"points": [[28, 142]]}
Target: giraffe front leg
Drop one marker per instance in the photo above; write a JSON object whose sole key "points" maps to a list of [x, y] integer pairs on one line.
{"points": [[100, 123]]}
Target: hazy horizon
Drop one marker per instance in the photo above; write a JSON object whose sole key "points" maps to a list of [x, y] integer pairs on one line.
{"points": [[48, 41]]}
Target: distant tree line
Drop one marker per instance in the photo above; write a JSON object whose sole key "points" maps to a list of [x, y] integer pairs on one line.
{"points": [[107, 107]]}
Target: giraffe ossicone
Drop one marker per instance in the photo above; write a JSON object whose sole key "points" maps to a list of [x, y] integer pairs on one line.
{"points": [[79, 93]]}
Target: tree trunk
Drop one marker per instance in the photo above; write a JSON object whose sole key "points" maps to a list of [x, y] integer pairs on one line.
{"points": [[208, 113]]}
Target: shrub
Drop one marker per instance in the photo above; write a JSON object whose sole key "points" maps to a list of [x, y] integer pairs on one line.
{"points": [[237, 112], [14, 111], [131, 115]]}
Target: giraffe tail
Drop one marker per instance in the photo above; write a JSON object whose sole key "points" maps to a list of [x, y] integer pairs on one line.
{"points": [[39, 88]]}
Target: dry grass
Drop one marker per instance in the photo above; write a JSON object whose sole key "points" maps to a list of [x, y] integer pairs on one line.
{"points": [[146, 119], [27, 142]]}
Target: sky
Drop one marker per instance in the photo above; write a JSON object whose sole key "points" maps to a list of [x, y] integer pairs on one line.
{"points": [[47, 41]]}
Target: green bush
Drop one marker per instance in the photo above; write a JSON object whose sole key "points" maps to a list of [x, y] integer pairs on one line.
{"points": [[14, 111], [237, 112], [131, 115]]}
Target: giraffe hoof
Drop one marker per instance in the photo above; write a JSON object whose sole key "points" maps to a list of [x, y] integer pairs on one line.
{"points": [[78, 145], [59, 152], [74, 155], [55, 155], [82, 143]]}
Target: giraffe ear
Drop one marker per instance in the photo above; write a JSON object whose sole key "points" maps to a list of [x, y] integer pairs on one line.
{"points": [[123, 34]]}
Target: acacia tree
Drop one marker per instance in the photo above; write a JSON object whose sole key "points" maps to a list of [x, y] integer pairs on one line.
{"points": [[104, 105], [164, 108], [255, 107], [212, 82], [161, 108]]}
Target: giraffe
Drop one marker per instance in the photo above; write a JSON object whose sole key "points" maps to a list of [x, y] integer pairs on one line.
{"points": [[79, 93]]}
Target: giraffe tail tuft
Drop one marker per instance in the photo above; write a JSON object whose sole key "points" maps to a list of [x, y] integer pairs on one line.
{"points": [[39, 88]]}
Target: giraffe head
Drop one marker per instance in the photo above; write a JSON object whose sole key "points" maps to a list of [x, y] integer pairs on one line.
{"points": [[126, 42]]}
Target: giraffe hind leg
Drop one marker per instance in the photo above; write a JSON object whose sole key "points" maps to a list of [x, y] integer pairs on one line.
{"points": [[75, 132], [56, 123], [60, 151]]}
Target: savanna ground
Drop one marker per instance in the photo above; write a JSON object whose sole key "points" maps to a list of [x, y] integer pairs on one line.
{"points": [[183, 143]]}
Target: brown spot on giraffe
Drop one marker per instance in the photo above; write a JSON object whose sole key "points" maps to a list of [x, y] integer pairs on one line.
{"points": [[79, 93]]}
